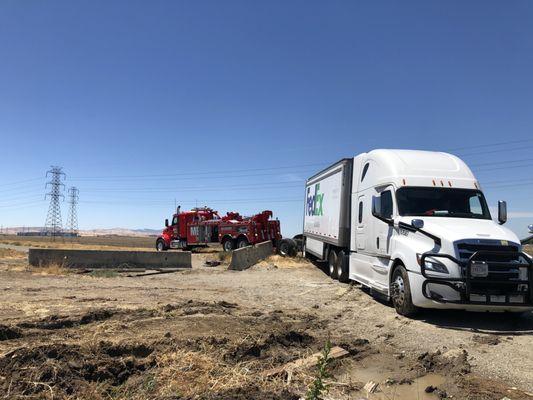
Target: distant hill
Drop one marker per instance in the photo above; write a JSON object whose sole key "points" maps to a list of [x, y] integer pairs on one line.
{"points": [[88, 232]]}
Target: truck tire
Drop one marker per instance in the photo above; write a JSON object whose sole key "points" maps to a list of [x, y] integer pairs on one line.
{"points": [[160, 245], [401, 292], [228, 244], [287, 248], [332, 264], [242, 242], [343, 272]]}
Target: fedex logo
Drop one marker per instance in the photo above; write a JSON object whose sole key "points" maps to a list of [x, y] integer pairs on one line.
{"points": [[314, 201]]}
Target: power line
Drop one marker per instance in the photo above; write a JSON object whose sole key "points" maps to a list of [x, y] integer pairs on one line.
{"points": [[495, 151], [53, 224], [19, 182], [477, 146], [501, 162], [226, 173]]}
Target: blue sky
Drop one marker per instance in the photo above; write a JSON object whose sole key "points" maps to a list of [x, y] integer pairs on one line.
{"points": [[232, 104]]}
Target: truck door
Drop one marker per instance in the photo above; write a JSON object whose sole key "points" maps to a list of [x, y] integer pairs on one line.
{"points": [[382, 231]]}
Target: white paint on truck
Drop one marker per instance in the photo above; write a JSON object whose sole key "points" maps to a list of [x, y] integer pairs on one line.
{"points": [[381, 211], [326, 215], [323, 205]]}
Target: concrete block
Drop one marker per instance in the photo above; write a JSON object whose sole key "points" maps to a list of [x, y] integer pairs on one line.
{"points": [[109, 258], [244, 258]]}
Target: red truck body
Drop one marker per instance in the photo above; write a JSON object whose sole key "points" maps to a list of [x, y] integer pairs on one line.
{"points": [[203, 226]]}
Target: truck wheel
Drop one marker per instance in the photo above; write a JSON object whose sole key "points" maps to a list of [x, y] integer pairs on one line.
{"points": [[242, 242], [401, 292], [160, 245], [342, 268], [287, 248], [332, 264], [227, 245]]}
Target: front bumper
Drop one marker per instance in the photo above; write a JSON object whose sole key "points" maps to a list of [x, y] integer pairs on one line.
{"points": [[508, 284]]}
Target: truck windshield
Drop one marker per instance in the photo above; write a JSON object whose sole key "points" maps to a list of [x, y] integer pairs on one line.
{"points": [[442, 202]]}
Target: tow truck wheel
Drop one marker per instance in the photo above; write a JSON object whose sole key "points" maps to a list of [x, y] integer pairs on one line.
{"points": [[227, 245], [332, 264], [242, 242], [287, 248], [160, 245], [401, 292]]}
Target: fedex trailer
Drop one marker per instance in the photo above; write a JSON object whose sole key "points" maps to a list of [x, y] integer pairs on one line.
{"points": [[415, 227]]}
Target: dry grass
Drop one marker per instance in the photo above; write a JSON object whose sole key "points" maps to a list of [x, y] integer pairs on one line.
{"points": [[224, 256], [186, 374], [94, 242], [49, 269], [284, 262], [9, 253]]}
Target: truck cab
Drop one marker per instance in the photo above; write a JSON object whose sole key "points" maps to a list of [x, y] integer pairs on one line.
{"points": [[421, 233]]}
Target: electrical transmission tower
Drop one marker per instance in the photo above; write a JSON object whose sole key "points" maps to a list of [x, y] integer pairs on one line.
{"points": [[53, 225], [72, 221]]}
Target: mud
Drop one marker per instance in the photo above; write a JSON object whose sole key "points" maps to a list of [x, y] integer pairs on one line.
{"points": [[211, 334]]}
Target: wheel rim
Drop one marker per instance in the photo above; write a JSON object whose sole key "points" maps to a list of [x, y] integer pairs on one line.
{"points": [[160, 246], [227, 245], [339, 268], [331, 265], [398, 290], [284, 249], [242, 244]]}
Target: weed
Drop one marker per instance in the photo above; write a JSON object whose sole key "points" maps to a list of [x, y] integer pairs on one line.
{"points": [[318, 388], [104, 273], [224, 255], [48, 269]]}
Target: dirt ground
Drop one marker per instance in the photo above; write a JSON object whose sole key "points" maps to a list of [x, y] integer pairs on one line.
{"points": [[210, 333]]}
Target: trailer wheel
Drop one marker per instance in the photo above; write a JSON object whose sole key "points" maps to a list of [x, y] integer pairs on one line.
{"points": [[332, 264], [342, 268], [242, 242], [160, 245], [401, 292], [227, 244]]}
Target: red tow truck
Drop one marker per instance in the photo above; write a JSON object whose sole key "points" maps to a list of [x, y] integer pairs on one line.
{"points": [[200, 227]]}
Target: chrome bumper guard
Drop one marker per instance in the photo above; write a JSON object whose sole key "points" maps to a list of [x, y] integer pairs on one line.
{"points": [[468, 286]]}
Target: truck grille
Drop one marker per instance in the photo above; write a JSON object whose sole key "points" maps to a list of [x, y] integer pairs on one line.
{"points": [[502, 267], [466, 250]]}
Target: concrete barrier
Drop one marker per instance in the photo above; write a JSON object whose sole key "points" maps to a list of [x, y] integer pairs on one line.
{"points": [[109, 258], [244, 258]]}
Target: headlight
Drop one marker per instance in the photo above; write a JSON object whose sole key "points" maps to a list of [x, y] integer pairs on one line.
{"points": [[432, 265]]}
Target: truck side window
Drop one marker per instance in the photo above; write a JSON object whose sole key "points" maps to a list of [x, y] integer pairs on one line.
{"points": [[386, 204], [360, 212], [175, 221], [365, 169]]}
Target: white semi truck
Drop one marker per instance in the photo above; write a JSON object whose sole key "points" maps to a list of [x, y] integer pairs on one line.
{"points": [[414, 226]]}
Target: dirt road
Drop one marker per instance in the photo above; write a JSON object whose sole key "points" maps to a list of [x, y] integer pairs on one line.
{"points": [[212, 333]]}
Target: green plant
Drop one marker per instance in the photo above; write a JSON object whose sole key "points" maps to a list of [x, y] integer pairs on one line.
{"points": [[318, 388]]}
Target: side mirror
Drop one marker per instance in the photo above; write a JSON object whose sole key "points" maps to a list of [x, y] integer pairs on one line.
{"points": [[530, 227], [502, 212], [417, 223], [166, 222], [376, 206]]}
